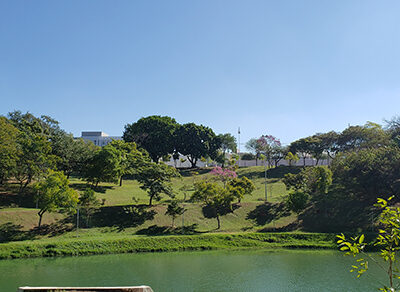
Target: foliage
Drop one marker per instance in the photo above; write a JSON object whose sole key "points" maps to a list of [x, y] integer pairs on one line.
{"points": [[223, 174], [228, 143], [131, 158], [72, 154], [89, 204], [239, 187], [296, 201], [363, 174], [155, 178], [8, 149], [369, 136], [216, 200], [174, 210], [291, 158], [53, 193], [104, 166], [388, 240], [248, 156], [34, 159], [154, 133], [254, 146], [311, 180], [196, 141]]}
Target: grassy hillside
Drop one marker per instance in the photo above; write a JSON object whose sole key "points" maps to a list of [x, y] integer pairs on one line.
{"points": [[121, 214]]}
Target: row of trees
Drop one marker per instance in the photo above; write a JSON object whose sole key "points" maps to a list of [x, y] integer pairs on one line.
{"points": [[163, 137], [365, 165], [325, 145]]}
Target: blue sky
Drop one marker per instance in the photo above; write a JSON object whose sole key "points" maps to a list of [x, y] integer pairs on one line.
{"points": [[286, 68]]}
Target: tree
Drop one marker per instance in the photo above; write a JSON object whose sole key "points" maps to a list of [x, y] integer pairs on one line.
{"points": [[196, 141], [296, 201], [254, 146], [174, 210], [248, 156], [8, 149], [301, 146], [388, 239], [364, 173], [271, 147], [89, 203], [34, 148], [34, 159], [239, 187], [71, 154], [369, 136], [53, 193], [223, 174], [216, 200], [311, 180], [154, 133], [228, 143], [131, 158], [290, 157], [104, 166], [155, 179]]}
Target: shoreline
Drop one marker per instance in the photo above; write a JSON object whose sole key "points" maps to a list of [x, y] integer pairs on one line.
{"points": [[165, 243]]}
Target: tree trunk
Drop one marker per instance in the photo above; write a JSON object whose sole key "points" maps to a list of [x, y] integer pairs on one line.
{"points": [[304, 161], [173, 222], [40, 213], [219, 223], [151, 201], [316, 163], [120, 181]]}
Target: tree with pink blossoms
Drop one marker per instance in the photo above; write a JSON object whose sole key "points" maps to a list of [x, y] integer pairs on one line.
{"points": [[223, 174]]}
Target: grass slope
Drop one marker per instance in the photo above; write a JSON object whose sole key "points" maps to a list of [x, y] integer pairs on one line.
{"points": [[129, 244]]}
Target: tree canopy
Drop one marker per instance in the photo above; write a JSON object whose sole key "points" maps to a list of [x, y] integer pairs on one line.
{"points": [[154, 133]]}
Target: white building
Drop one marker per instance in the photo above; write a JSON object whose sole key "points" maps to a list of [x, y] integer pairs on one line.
{"points": [[99, 138]]}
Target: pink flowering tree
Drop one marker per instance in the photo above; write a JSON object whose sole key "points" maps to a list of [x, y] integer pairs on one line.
{"points": [[271, 147], [223, 174]]}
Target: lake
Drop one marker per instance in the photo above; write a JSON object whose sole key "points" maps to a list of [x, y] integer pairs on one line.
{"points": [[260, 270]]}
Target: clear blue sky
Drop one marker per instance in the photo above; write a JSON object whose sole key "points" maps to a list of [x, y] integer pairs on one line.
{"points": [[286, 68]]}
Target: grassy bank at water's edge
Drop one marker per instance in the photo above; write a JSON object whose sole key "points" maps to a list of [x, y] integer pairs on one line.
{"points": [[130, 244]]}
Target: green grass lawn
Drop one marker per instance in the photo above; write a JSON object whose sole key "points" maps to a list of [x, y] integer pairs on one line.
{"points": [[116, 195], [251, 215]]}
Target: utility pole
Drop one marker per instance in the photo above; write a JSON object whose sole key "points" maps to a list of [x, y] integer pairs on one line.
{"points": [[238, 148], [265, 180], [77, 222]]}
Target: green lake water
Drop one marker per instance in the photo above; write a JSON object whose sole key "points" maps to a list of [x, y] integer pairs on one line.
{"points": [[259, 270]]}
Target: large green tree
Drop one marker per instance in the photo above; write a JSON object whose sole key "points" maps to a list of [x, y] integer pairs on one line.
{"points": [[216, 200], [196, 141], [132, 159], [53, 193], [8, 149], [370, 135], [367, 173], [154, 133], [104, 166]]}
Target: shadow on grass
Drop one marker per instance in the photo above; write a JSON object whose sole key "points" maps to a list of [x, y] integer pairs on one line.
{"points": [[276, 172], [267, 212], [165, 230], [10, 196], [187, 172], [122, 216], [82, 187]]}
